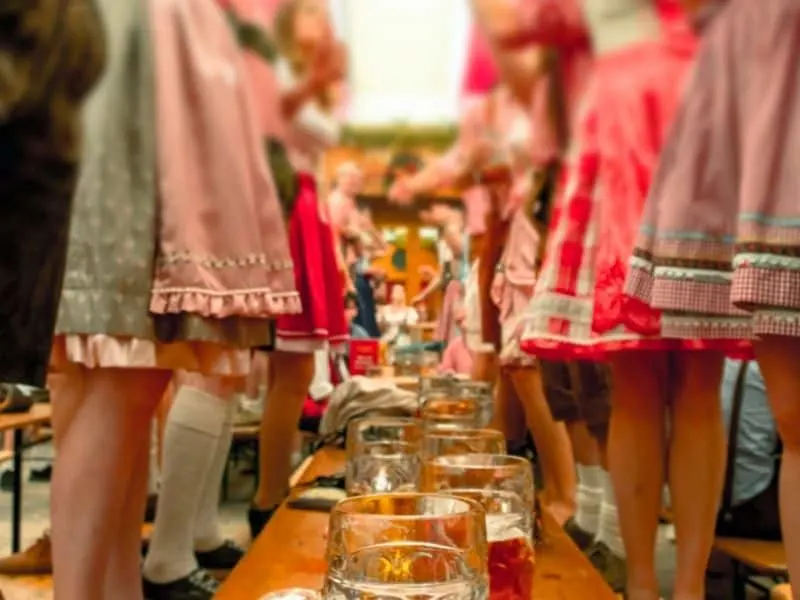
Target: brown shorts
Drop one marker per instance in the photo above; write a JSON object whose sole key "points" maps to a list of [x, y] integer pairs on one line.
{"points": [[579, 391]]}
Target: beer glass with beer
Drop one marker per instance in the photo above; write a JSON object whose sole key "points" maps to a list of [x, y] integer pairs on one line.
{"points": [[407, 546], [481, 391], [447, 440], [447, 408], [383, 455], [503, 485]]}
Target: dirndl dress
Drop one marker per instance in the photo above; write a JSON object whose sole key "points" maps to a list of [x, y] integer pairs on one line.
{"points": [[319, 280], [579, 309], [519, 267], [718, 252], [105, 318]]}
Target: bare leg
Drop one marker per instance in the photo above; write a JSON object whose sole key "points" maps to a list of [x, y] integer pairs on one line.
{"points": [[552, 445], [508, 414], [777, 357], [485, 367], [290, 377], [697, 467], [636, 449], [124, 577], [97, 456]]}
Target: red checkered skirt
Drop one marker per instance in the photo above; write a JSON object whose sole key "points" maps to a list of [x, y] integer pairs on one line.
{"points": [[718, 252], [579, 308]]}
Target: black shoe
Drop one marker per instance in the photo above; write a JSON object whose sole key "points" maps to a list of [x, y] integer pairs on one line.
{"points": [[224, 558], [150, 508], [613, 568], [199, 585], [258, 519], [43, 474], [582, 538]]}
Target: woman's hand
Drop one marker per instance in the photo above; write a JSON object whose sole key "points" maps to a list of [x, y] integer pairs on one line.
{"points": [[498, 286]]}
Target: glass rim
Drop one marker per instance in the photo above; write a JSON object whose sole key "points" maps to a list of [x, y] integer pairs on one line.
{"points": [[478, 461], [471, 433], [385, 419], [470, 507]]}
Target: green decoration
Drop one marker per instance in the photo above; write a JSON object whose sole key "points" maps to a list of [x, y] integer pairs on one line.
{"points": [[400, 136]]}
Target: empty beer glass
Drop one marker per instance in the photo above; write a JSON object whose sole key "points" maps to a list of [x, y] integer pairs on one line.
{"points": [[383, 455], [445, 440], [407, 546], [503, 485]]}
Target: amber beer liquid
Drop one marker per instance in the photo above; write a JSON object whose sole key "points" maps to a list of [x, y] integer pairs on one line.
{"points": [[448, 407], [512, 561]]}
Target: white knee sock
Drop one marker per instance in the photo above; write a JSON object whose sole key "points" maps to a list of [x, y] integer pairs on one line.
{"points": [[590, 496], [207, 534], [609, 532], [153, 475], [191, 438]]}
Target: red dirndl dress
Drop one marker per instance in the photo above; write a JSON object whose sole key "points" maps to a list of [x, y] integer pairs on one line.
{"points": [[318, 279], [579, 309]]}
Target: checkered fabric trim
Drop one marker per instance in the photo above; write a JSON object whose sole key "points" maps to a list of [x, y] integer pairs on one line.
{"points": [[706, 327], [560, 305], [776, 323], [685, 292], [759, 287], [639, 283]]}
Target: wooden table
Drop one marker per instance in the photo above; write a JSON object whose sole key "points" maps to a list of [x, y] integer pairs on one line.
{"points": [[404, 382], [39, 414], [291, 553]]}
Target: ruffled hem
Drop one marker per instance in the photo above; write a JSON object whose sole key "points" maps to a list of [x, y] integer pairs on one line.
{"points": [[256, 304], [558, 327], [109, 352]]}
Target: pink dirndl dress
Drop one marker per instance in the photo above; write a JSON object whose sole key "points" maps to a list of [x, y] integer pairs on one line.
{"points": [[579, 309], [190, 188], [718, 252]]}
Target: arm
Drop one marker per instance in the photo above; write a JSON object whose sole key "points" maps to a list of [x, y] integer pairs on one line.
{"points": [[450, 167]]}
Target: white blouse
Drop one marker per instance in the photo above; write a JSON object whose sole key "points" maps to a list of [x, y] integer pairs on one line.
{"points": [[313, 129]]}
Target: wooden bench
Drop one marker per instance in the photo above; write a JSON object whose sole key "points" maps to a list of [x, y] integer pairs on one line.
{"points": [[39, 414], [752, 558], [291, 553]]}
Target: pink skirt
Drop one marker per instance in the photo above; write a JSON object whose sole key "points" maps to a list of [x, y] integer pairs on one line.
{"points": [[578, 309], [519, 263], [719, 247], [318, 278]]}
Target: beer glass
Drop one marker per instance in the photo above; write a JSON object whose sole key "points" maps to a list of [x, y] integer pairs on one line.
{"points": [[436, 383], [407, 546], [503, 485], [445, 408], [383, 455], [482, 392], [446, 440]]}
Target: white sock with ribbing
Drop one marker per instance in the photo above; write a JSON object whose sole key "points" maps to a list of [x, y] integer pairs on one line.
{"points": [[609, 532], [191, 439], [590, 497]]}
